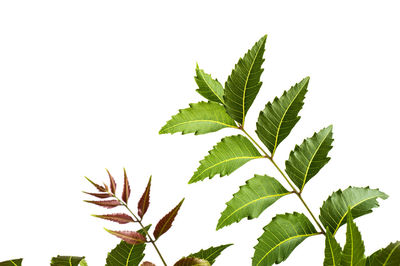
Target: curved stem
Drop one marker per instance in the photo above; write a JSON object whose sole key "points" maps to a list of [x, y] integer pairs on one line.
{"points": [[152, 241], [287, 180]]}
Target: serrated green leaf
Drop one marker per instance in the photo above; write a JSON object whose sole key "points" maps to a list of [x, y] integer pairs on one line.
{"points": [[333, 251], [279, 117], [210, 254], [353, 251], [16, 262], [209, 88], [225, 157], [252, 199], [127, 254], [243, 84], [389, 256], [360, 201], [281, 236], [199, 118], [306, 160], [68, 261]]}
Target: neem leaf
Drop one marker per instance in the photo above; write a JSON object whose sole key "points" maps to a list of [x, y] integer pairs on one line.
{"points": [[243, 84], [127, 254], [252, 199], [353, 251], [389, 256], [279, 117], [99, 188], [333, 251], [192, 262], [360, 201], [281, 236], [105, 203], [127, 189], [147, 263], [210, 254], [306, 160], [166, 222], [130, 237], [225, 157], [67, 261], [209, 88], [120, 218], [98, 195], [16, 262], [199, 118], [144, 201], [113, 184]]}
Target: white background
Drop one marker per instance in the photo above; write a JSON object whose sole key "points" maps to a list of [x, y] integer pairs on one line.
{"points": [[86, 85]]}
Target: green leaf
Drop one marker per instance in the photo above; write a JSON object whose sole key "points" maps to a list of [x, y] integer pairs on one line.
{"points": [[243, 84], [353, 251], [209, 88], [281, 236], [306, 160], [333, 251], [225, 157], [252, 199], [68, 261], [389, 256], [360, 201], [279, 117], [127, 254], [199, 118], [16, 262], [210, 254], [192, 262]]}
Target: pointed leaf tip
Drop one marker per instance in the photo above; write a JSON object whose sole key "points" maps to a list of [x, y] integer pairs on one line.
{"points": [[189, 261], [105, 203], [113, 184], [127, 189], [99, 188], [166, 222], [130, 237], [144, 201], [120, 218], [98, 195], [210, 254], [14, 262]]}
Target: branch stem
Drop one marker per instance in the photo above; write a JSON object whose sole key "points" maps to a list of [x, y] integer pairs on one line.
{"points": [[152, 241], [298, 193]]}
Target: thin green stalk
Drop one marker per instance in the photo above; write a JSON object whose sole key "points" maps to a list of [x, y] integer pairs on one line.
{"points": [[287, 180], [152, 241]]}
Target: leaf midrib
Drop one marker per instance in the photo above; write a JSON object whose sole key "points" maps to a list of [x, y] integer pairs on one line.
{"points": [[222, 101], [390, 254], [199, 120]]}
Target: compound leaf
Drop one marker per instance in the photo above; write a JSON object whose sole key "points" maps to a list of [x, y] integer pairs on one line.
{"points": [[243, 84], [252, 199], [16, 262], [127, 254], [199, 118], [281, 236], [359, 200], [279, 117], [353, 251], [225, 157], [210, 254], [68, 261], [209, 88], [389, 256], [306, 160], [333, 251]]}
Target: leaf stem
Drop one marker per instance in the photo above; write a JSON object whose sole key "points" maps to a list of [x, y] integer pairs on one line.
{"points": [[152, 241], [286, 178]]}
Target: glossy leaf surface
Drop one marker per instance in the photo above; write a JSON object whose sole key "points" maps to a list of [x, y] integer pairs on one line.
{"points": [[144, 201], [389, 256], [166, 222], [353, 251], [209, 88]]}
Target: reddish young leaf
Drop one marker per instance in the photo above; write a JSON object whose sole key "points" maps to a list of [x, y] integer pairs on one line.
{"points": [[147, 263], [105, 203], [144, 201], [113, 185], [127, 189], [98, 195], [191, 262], [130, 237], [99, 188], [120, 218], [166, 222], [105, 187]]}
